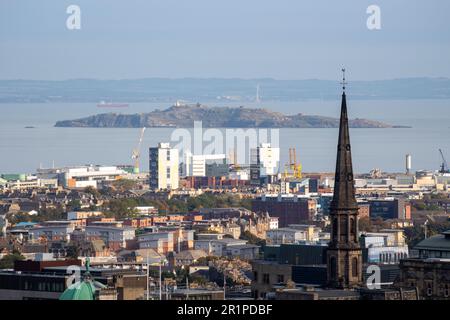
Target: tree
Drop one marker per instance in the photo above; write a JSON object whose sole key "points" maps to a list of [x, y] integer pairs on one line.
{"points": [[417, 233], [122, 208], [7, 262], [379, 223], [74, 205], [72, 252], [123, 185], [197, 279], [365, 224], [252, 239], [93, 191]]}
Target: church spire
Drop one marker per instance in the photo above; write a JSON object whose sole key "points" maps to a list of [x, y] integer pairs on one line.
{"points": [[344, 255], [344, 190]]}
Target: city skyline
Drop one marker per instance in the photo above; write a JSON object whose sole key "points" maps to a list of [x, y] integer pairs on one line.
{"points": [[165, 151]]}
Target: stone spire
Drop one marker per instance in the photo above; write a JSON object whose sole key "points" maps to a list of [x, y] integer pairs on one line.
{"points": [[344, 255], [344, 190]]}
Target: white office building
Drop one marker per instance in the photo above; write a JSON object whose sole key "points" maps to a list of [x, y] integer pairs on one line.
{"points": [[195, 164], [264, 162]]}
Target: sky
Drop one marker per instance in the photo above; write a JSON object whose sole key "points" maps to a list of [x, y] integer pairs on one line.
{"points": [[281, 39]]}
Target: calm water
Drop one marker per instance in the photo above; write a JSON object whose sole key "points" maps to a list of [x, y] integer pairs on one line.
{"points": [[24, 150]]}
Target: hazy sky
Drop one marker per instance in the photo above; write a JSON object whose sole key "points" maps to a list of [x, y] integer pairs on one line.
{"points": [[283, 39]]}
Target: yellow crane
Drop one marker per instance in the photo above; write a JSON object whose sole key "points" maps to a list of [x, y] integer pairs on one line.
{"points": [[136, 154], [296, 168]]}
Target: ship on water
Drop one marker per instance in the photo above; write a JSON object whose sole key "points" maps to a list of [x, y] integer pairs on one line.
{"points": [[104, 104]]}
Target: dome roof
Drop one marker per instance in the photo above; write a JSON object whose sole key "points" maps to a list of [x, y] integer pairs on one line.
{"points": [[81, 290], [84, 289]]}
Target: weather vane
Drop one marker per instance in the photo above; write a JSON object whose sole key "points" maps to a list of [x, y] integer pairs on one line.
{"points": [[343, 79]]}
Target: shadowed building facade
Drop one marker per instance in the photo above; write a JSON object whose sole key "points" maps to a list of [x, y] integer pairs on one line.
{"points": [[344, 254]]}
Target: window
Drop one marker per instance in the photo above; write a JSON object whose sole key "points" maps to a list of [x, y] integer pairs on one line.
{"points": [[446, 291], [352, 227], [343, 225], [355, 267], [429, 289], [335, 226], [280, 278], [266, 278], [333, 267]]}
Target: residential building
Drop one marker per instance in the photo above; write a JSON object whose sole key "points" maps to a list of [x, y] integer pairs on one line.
{"points": [[218, 247], [76, 215], [188, 257], [164, 167], [167, 240], [114, 237], [52, 230], [267, 275], [293, 234]]}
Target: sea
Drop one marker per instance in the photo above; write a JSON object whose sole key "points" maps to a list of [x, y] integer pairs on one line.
{"points": [[29, 140]]}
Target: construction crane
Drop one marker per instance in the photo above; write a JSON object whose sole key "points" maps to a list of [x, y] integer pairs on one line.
{"points": [[296, 168], [444, 165], [136, 154], [234, 160]]}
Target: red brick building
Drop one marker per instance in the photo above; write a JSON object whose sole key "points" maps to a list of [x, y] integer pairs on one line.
{"points": [[288, 209]]}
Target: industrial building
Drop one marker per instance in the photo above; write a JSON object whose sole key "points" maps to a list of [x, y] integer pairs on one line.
{"points": [[82, 176]]}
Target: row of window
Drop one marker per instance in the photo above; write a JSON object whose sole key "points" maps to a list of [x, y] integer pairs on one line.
{"points": [[36, 285], [266, 277], [392, 257]]}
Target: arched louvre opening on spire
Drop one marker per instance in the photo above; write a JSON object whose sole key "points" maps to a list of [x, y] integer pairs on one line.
{"points": [[355, 267]]}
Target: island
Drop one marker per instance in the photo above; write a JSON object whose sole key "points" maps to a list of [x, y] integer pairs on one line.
{"points": [[183, 116]]}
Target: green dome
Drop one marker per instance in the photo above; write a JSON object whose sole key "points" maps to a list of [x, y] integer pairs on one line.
{"points": [[82, 290]]}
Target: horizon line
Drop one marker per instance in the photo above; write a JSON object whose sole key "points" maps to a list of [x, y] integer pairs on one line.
{"points": [[225, 78]]}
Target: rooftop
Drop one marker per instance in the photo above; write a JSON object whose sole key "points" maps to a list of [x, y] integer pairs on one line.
{"points": [[437, 242]]}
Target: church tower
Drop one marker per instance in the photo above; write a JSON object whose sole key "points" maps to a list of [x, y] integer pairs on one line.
{"points": [[344, 254]]}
